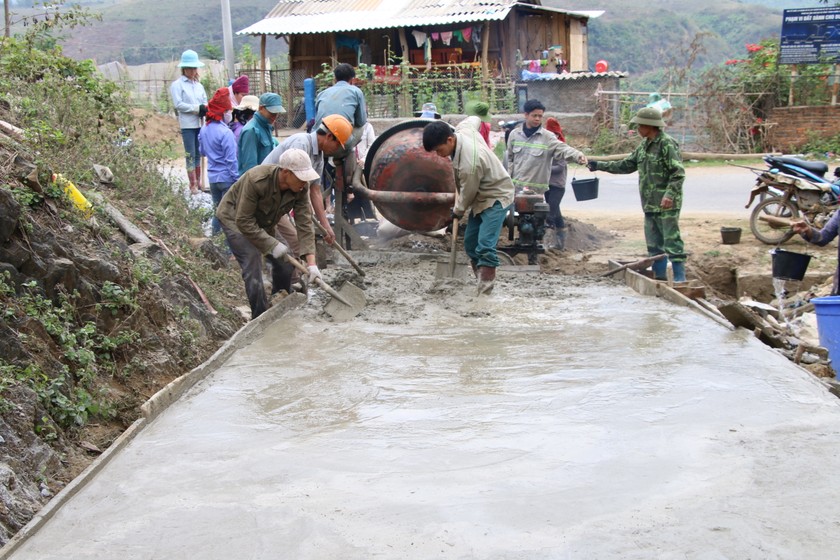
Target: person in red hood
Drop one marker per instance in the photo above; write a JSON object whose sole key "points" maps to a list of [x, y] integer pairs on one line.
{"points": [[217, 144], [556, 189]]}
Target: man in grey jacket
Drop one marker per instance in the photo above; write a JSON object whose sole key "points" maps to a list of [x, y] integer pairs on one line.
{"points": [[484, 188], [531, 150]]}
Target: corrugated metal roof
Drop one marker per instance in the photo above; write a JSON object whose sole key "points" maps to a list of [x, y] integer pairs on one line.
{"points": [[578, 76], [292, 17]]}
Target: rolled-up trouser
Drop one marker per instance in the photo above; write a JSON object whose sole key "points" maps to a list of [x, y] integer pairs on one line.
{"points": [[190, 137], [553, 196], [251, 262], [482, 235], [662, 235]]}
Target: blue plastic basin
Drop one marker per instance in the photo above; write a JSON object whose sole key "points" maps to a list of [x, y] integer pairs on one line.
{"points": [[828, 324]]}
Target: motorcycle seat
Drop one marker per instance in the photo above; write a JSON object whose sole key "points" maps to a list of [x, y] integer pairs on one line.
{"points": [[817, 167]]}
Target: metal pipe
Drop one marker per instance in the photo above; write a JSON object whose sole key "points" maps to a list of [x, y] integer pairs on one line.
{"points": [[404, 197]]}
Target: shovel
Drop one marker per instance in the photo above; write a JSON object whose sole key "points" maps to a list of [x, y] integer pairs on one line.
{"points": [[453, 254], [345, 304]]}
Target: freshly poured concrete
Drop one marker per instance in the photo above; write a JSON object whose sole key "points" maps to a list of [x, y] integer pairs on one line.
{"points": [[543, 422]]}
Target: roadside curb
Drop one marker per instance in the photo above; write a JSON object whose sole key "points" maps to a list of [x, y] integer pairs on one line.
{"points": [[151, 409], [649, 287]]}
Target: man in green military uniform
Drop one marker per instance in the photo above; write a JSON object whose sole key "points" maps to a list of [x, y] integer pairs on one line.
{"points": [[661, 176]]}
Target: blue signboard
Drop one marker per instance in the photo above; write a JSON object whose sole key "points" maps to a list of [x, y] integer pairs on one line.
{"points": [[810, 36]]}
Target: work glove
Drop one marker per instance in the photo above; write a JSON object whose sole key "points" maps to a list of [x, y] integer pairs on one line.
{"points": [[314, 273], [455, 215], [202, 110], [279, 250], [592, 166]]}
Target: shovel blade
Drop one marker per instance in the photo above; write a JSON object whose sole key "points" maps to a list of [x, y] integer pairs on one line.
{"points": [[354, 296], [462, 271]]}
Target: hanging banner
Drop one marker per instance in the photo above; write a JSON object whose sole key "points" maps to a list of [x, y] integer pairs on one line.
{"points": [[810, 36]]}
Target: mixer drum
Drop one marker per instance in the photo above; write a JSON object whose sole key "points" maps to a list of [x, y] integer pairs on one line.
{"points": [[412, 188]]}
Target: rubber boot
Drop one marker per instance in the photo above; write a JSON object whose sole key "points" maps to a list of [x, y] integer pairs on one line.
{"points": [[678, 269], [281, 275], [474, 266], [191, 177], [486, 278], [559, 239], [199, 185], [660, 269]]}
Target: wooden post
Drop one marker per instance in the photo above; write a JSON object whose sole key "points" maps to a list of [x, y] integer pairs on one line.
{"points": [[835, 84], [404, 100], [333, 50], [792, 82], [485, 52], [404, 46]]}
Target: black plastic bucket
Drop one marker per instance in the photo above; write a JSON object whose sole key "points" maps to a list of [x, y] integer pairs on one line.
{"points": [[585, 189], [788, 265], [730, 235]]}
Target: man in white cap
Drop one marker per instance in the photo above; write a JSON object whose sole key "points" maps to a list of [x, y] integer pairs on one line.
{"points": [[249, 213]]}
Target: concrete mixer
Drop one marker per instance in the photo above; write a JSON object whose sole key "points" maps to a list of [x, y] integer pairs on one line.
{"points": [[415, 190], [412, 188]]}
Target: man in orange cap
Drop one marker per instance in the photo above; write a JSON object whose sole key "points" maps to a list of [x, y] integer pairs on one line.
{"points": [[327, 140]]}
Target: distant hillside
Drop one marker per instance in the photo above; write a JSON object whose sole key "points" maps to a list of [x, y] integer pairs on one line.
{"points": [[139, 31], [638, 36]]}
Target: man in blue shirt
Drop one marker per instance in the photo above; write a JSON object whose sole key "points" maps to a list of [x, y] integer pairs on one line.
{"points": [[255, 141], [343, 99]]}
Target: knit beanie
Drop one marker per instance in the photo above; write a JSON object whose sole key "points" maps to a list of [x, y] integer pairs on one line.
{"points": [[241, 85]]}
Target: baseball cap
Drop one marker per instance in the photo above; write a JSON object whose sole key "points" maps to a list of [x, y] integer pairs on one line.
{"points": [[297, 161], [272, 103]]}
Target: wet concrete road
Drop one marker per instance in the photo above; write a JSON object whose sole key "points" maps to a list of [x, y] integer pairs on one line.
{"points": [[574, 422]]}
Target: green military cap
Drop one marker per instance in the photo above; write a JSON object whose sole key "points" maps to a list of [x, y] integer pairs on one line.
{"points": [[650, 116]]}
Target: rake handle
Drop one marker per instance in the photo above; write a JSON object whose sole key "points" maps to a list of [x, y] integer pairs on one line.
{"points": [[775, 220]]}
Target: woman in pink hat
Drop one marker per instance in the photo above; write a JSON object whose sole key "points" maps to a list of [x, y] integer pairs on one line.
{"points": [[239, 88]]}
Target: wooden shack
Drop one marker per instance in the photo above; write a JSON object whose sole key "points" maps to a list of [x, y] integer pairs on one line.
{"points": [[496, 37]]}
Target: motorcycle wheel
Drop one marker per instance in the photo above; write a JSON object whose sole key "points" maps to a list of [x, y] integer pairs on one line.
{"points": [[773, 206]]}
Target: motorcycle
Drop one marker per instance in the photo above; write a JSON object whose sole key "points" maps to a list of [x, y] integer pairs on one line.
{"points": [[508, 126], [793, 189]]}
